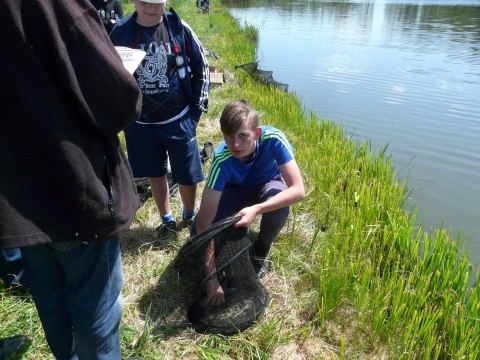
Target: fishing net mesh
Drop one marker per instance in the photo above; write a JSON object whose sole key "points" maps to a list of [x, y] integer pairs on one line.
{"points": [[245, 296], [263, 76]]}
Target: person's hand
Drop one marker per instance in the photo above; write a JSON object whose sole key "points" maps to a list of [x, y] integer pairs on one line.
{"points": [[247, 215], [215, 295]]}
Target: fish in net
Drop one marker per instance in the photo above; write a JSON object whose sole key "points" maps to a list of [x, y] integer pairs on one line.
{"points": [[245, 296]]}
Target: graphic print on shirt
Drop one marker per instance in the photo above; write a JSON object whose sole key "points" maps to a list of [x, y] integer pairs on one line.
{"points": [[157, 76], [152, 76]]}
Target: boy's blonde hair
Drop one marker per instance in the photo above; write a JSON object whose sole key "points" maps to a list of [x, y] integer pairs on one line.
{"points": [[237, 113]]}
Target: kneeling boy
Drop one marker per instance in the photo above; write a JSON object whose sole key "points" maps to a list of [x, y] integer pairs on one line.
{"points": [[253, 172]]}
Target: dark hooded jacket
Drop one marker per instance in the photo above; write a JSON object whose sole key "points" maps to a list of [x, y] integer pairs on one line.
{"points": [[65, 96]]}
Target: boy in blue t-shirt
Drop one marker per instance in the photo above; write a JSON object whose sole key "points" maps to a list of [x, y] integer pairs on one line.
{"points": [[253, 172]]}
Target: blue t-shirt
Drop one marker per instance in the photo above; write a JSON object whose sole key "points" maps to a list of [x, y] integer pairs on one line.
{"points": [[273, 150]]}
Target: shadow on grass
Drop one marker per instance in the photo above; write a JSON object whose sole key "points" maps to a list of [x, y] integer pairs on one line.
{"points": [[164, 304]]}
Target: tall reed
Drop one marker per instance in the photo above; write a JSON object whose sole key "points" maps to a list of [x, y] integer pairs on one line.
{"points": [[405, 292]]}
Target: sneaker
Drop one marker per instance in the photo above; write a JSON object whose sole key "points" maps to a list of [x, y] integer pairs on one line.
{"points": [[167, 232], [10, 345], [188, 222], [188, 217], [260, 266], [206, 152]]}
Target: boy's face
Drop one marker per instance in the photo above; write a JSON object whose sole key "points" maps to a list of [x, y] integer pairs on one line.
{"points": [[149, 14], [242, 144]]}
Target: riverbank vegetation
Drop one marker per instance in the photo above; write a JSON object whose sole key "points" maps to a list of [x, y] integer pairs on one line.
{"points": [[353, 275]]}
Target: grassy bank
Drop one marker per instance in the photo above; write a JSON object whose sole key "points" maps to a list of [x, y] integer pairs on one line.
{"points": [[353, 276]]}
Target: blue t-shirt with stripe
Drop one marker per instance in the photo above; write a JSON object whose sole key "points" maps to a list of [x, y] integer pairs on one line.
{"points": [[273, 150]]}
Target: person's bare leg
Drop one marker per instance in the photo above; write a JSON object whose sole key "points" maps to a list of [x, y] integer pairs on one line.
{"points": [[160, 194], [188, 195]]}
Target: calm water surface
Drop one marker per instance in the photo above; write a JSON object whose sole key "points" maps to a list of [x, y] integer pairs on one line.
{"points": [[402, 73]]}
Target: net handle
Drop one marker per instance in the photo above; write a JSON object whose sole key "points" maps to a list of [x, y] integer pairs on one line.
{"points": [[198, 240]]}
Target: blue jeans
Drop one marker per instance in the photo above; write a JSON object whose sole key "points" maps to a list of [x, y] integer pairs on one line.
{"points": [[76, 288]]}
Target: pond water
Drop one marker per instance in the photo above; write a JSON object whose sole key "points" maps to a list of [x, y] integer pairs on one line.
{"points": [[402, 73]]}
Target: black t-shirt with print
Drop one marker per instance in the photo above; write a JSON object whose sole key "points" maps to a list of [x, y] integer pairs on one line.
{"points": [[157, 75]]}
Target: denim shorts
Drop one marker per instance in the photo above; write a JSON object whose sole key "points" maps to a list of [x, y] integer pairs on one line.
{"points": [[149, 147]]}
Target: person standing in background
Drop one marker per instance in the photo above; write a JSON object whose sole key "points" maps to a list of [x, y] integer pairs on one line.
{"points": [[175, 82], [66, 192], [109, 10]]}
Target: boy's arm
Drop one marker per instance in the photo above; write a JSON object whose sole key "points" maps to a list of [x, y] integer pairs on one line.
{"points": [[119, 9], [208, 208], [215, 294], [204, 218], [200, 73], [295, 192]]}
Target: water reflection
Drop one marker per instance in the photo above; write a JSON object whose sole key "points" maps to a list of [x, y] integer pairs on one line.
{"points": [[410, 24], [406, 73]]}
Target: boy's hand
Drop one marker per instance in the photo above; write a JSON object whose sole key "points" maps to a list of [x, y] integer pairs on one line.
{"points": [[215, 295], [247, 214]]}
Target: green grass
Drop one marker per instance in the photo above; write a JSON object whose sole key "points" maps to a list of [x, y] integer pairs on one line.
{"points": [[354, 276]]}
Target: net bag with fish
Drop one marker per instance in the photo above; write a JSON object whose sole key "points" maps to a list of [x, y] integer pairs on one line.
{"points": [[245, 296]]}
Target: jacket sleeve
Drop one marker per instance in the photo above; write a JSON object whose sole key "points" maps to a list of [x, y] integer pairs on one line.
{"points": [[109, 91], [199, 72], [118, 8], [87, 68]]}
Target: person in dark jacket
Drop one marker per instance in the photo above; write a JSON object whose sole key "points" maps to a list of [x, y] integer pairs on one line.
{"points": [[109, 11], [66, 190], [174, 79]]}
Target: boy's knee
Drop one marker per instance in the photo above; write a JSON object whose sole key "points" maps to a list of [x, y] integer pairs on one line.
{"points": [[279, 215]]}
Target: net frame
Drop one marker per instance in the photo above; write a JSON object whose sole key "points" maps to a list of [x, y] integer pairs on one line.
{"points": [[245, 296]]}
